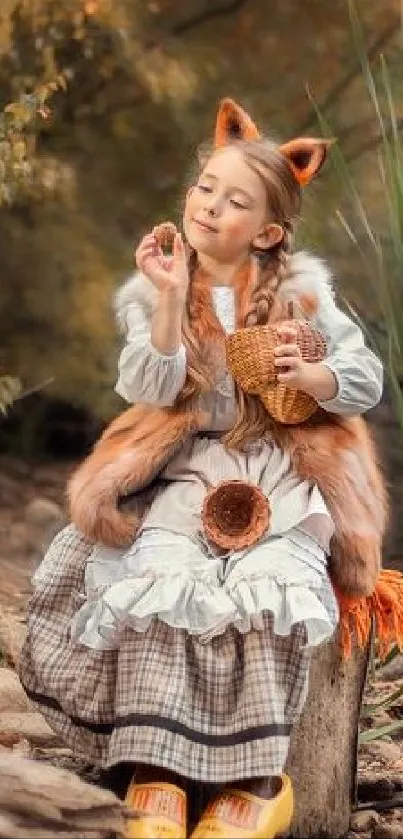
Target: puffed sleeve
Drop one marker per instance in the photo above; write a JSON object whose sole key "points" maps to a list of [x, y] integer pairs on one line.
{"points": [[145, 374], [358, 371]]}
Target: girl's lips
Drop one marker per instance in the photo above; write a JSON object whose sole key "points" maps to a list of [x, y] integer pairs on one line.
{"points": [[204, 226]]}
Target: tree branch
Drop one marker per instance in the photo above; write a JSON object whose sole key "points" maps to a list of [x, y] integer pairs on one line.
{"points": [[372, 143], [209, 14], [177, 30], [345, 82]]}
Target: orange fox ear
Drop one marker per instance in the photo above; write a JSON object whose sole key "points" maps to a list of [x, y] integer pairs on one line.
{"points": [[233, 123], [306, 155]]}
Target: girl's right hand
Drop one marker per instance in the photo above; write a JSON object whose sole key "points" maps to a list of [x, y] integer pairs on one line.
{"points": [[169, 274]]}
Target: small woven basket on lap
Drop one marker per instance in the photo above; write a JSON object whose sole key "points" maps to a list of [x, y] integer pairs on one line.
{"points": [[250, 359], [235, 514]]}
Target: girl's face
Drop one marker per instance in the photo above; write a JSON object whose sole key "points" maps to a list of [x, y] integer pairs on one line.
{"points": [[226, 211]]}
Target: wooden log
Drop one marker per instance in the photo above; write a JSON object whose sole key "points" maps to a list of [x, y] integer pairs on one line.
{"points": [[43, 802], [322, 760]]}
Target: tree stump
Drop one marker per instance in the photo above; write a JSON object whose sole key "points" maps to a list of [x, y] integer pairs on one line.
{"points": [[322, 760]]}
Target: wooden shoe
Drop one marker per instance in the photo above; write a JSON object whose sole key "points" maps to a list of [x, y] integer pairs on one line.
{"points": [[242, 815], [158, 810]]}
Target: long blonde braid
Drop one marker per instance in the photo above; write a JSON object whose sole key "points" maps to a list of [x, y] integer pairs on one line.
{"points": [[273, 268], [251, 416], [202, 335]]}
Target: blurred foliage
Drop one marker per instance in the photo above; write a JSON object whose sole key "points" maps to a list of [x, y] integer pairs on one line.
{"points": [[120, 93], [17, 163], [379, 246]]}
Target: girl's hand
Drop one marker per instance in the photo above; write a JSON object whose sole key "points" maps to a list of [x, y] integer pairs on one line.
{"points": [[288, 359], [169, 274], [313, 378]]}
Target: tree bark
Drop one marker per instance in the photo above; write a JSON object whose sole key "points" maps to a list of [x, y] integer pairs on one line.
{"points": [[322, 760]]}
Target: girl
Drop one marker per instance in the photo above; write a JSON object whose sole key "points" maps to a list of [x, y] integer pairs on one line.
{"points": [[164, 653]]}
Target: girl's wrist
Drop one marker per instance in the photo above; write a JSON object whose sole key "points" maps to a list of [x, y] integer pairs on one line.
{"points": [[173, 298], [166, 325], [323, 384]]}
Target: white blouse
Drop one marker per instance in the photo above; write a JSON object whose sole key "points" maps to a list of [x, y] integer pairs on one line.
{"points": [[146, 375]]}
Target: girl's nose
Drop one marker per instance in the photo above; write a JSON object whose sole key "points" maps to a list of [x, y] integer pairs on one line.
{"points": [[212, 207]]}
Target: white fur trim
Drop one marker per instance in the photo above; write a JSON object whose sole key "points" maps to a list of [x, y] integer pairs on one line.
{"points": [[307, 274], [137, 289]]}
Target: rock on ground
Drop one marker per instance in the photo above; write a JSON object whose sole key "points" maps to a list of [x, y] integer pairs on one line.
{"points": [[12, 696], [12, 635]]}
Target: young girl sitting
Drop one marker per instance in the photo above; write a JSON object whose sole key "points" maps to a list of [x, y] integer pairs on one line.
{"points": [[152, 648]]}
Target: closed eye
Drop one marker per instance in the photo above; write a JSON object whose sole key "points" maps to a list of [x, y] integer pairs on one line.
{"points": [[238, 205], [204, 188]]}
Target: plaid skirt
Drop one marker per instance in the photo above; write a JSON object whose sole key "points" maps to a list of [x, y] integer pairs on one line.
{"points": [[216, 711]]}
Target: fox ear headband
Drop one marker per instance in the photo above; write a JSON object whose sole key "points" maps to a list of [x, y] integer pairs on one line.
{"points": [[305, 155]]}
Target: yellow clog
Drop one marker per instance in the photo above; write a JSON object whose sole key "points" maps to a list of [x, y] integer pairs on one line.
{"points": [[159, 811], [242, 815]]}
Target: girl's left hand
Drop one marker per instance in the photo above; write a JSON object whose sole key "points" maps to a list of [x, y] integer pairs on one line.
{"points": [[311, 377], [292, 369]]}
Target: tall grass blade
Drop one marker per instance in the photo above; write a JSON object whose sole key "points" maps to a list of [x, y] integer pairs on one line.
{"points": [[381, 731]]}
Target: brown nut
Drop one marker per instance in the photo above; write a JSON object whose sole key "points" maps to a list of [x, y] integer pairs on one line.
{"points": [[165, 234]]}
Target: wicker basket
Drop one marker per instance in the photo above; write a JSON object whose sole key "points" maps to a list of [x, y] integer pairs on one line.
{"points": [[250, 358], [288, 406], [235, 514]]}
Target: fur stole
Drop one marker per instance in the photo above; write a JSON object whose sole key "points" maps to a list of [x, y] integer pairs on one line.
{"points": [[110, 492]]}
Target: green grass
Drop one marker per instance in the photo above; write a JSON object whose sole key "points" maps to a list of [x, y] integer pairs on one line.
{"points": [[381, 254]]}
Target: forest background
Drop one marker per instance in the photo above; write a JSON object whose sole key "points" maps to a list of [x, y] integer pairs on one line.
{"points": [[110, 100]]}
